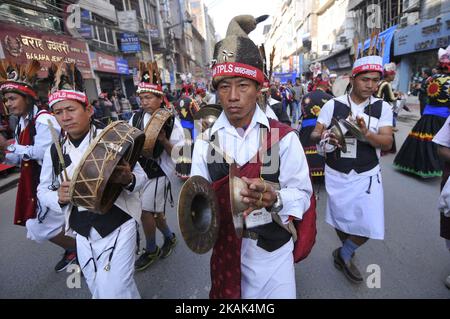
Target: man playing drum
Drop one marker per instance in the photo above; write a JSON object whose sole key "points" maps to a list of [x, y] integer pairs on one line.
{"points": [[353, 179], [106, 244], [160, 169], [32, 138], [260, 264]]}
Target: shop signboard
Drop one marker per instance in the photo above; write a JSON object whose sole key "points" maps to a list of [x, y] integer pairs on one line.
{"points": [[122, 66], [431, 34], [21, 44], [129, 43]]}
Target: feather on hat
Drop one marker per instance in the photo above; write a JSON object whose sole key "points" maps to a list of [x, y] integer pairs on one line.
{"points": [[19, 78], [150, 79], [66, 83], [372, 62]]}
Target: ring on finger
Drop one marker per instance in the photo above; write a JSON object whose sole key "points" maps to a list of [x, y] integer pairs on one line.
{"points": [[260, 202], [265, 187]]}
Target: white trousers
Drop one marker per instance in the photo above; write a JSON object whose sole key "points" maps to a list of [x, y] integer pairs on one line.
{"points": [[48, 227], [110, 276]]}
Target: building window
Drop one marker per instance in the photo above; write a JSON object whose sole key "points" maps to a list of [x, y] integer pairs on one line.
{"points": [[390, 12], [118, 4], [150, 12], [102, 32], [42, 15]]}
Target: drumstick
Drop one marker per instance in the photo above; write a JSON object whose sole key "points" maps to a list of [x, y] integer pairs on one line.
{"points": [[58, 149]]}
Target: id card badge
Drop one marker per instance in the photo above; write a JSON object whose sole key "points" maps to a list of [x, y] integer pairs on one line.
{"points": [[258, 218], [351, 148]]}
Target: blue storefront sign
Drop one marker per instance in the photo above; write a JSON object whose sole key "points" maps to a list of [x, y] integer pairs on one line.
{"points": [[122, 66], [129, 43], [431, 34], [86, 29], [284, 77]]}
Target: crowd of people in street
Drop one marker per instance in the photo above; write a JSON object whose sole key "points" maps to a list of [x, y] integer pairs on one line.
{"points": [[314, 132]]}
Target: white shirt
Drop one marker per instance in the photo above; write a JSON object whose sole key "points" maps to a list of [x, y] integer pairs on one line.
{"points": [[42, 139], [128, 201], [326, 114], [294, 181]]}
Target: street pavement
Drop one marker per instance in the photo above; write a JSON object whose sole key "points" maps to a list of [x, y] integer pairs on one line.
{"points": [[412, 261]]}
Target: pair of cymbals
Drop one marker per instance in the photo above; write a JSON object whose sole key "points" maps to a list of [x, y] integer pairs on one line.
{"points": [[337, 131], [198, 210], [354, 129]]}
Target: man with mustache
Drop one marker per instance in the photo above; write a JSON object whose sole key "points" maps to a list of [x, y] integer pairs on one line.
{"points": [[260, 264]]}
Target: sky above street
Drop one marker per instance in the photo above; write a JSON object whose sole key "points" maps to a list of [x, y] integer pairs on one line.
{"points": [[222, 11]]}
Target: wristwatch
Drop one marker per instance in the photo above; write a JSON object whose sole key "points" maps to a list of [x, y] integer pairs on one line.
{"points": [[11, 148], [278, 205]]}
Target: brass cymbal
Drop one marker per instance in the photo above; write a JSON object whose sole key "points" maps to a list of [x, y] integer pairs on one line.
{"points": [[353, 129], [237, 206], [198, 214], [208, 115], [336, 129]]}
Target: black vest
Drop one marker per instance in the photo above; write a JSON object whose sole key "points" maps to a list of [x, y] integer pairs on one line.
{"points": [[81, 222], [270, 236], [366, 155], [150, 166]]}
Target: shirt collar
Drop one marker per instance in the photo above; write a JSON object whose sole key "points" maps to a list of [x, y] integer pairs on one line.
{"points": [[28, 116], [343, 99], [258, 117]]}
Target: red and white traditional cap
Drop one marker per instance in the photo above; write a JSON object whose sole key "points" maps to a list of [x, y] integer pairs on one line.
{"points": [[390, 68], [150, 79], [62, 95], [236, 55], [67, 84], [371, 63], [19, 78], [144, 87], [444, 55]]}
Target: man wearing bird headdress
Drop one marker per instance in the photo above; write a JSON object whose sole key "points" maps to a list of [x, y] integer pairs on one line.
{"points": [[259, 264]]}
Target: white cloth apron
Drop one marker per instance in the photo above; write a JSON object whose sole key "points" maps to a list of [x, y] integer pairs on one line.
{"points": [[267, 275], [350, 208]]}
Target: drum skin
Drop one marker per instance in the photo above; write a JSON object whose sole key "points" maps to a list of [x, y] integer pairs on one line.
{"points": [[90, 187], [160, 119]]}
